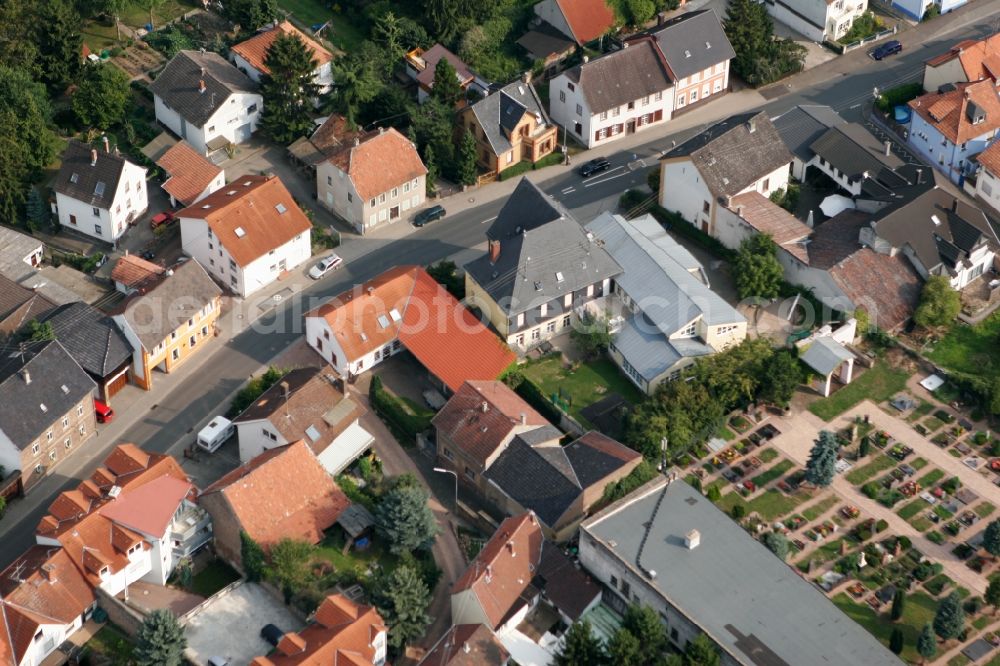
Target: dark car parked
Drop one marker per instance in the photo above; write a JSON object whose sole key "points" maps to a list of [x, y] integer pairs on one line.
{"points": [[596, 165], [889, 48], [428, 216]]}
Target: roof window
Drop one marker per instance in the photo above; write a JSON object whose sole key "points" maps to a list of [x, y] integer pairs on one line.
{"points": [[936, 220], [74, 178], [280, 208], [43, 407], [687, 54], [396, 317], [65, 389], [383, 321], [240, 232], [538, 285], [559, 276], [99, 189]]}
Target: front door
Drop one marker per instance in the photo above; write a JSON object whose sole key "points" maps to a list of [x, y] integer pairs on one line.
{"points": [[329, 199], [394, 213], [630, 127]]}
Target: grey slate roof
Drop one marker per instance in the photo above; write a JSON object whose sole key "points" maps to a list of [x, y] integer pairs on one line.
{"points": [[545, 41], [56, 382], [531, 261], [95, 184], [14, 247], [19, 305], [825, 355], [496, 110], [735, 152], [621, 76], [855, 151], [90, 337], [161, 310], [747, 600], [803, 124], [693, 42], [177, 85]]}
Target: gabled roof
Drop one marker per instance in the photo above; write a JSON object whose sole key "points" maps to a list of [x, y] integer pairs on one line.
{"points": [[786, 230], [467, 645], [803, 124], [255, 49], [189, 173], [83, 179], [150, 508], [96, 542], [545, 41], [979, 59], [19, 305], [334, 134], [825, 355], [856, 152], [178, 84], [15, 247], [282, 493], [250, 217], [379, 162], [967, 111], [622, 76], [153, 315], [693, 42], [317, 408], [39, 383], [406, 303], [990, 158], [483, 415], [134, 272], [733, 153], [495, 112], [91, 337], [432, 57], [587, 19]]}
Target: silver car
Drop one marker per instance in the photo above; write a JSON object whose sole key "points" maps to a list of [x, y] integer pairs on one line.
{"points": [[325, 265]]}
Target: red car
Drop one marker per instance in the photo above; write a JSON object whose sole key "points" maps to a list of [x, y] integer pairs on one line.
{"points": [[103, 411], [166, 217]]}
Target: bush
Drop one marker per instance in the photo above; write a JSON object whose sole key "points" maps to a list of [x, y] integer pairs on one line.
{"points": [[863, 27], [637, 477], [682, 227], [534, 397], [552, 159], [404, 425], [513, 171], [634, 201], [169, 41], [882, 525], [933, 11], [253, 390], [888, 99]]}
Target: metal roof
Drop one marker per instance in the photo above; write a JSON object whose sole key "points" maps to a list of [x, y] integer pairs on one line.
{"points": [[825, 355]]}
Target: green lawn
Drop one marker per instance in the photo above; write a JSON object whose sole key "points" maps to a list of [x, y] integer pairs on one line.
{"points": [[824, 553], [932, 424], [912, 509], [771, 504], [859, 475], [99, 36], [332, 547], [930, 478], [770, 475], [767, 455], [113, 645], [584, 386], [918, 464], [344, 34], [213, 578], [970, 349], [921, 410], [877, 384], [918, 611], [984, 509], [819, 508], [726, 434]]}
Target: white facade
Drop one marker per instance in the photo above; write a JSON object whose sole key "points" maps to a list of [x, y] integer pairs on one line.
{"points": [[235, 120], [324, 341], [336, 191], [217, 184], [52, 636], [818, 20], [710, 81], [947, 157], [568, 107], [322, 75], [107, 224], [988, 188], [260, 435], [200, 244]]}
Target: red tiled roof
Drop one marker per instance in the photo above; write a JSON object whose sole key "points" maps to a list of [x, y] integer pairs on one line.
{"points": [[246, 218], [504, 568], [132, 270], [482, 432], [893, 302], [946, 112], [381, 161], [254, 50], [769, 218], [282, 493], [588, 19], [467, 645], [990, 158], [96, 542], [979, 59], [189, 172], [149, 508]]}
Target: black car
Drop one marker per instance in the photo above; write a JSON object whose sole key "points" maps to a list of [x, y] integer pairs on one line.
{"points": [[271, 634], [596, 165], [889, 48], [428, 216]]}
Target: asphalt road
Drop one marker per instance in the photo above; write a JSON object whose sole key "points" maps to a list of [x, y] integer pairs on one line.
{"points": [[201, 394]]}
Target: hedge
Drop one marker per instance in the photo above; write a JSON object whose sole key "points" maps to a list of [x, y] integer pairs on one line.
{"points": [[534, 397], [516, 170], [682, 227], [893, 97], [404, 426]]}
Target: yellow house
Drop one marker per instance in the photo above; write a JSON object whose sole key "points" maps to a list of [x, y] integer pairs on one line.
{"points": [[167, 323], [510, 126]]}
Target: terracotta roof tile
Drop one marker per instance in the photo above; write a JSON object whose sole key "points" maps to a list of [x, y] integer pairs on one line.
{"points": [[189, 172], [467, 645], [947, 112], [979, 59], [588, 19], [381, 161], [769, 218], [990, 158], [334, 134], [254, 50], [893, 302], [283, 492], [246, 216], [96, 542], [149, 508]]}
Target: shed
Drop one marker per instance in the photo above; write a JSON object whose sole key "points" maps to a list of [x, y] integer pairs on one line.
{"points": [[827, 356], [355, 519]]}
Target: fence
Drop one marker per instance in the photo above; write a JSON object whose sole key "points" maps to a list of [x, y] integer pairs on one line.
{"points": [[844, 48]]}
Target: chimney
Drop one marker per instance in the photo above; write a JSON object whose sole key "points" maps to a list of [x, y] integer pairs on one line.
{"points": [[524, 419], [510, 547], [381, 130], [494, 251], [26, 376], [203, 69], [485, 406], [49, 572], [625, 45], [201, 85], [954, 205], [107, 147], [752, 125], [371, 290], [489, 573], [888, 148], [586, 59], [692, 539], [660, 19], [465, 647], [526, 77], [284, 389], [93, 157], [357, 141], [920, 176]]}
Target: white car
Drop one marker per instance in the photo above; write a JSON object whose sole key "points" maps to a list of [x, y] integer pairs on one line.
{"points": [[325, 265]]}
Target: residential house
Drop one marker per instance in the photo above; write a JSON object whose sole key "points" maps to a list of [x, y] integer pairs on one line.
{"points": [[94, 341], [98, 193], [987, 180], [341, 632], [311, 405], [467, 645], [666, 314], [202, 98], [799, 127], [617, 94], [330, 137], [247, 234], [917, 9], [697, 54], [404, 308], [282, 493], [582, 21], [250, 55], [969, 60], [743, 153], [515, 579], [132, 274], [501, 447], [546, 44], [818, 20], [541, 268], [43, 601], [667, 547], [166, 323], [851, 155], [375, 179], [19, 306], [421, 65], [47, 412], [20, 254], [949, 128], [509, 126], [190, 176]]}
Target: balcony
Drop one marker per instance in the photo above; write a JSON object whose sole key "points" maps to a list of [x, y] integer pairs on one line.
{"points": [[190, 530]]}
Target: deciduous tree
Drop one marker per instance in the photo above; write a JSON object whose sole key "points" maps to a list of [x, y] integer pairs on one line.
{"points": [[643, 623], [404, 519], [783, 374], [160, 640], [250, 15], [581, 647], [821, 465], [939, 303], [289, 564], [288, 89], [701, 652], [252, 556], [624, 649], [777, 543], [756, 270], [102, 97]]}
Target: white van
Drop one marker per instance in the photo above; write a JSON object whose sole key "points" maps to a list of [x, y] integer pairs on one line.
{"points": [[215, 433]]}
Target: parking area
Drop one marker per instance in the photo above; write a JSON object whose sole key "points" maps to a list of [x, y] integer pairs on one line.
{"points": [[229, 625]]}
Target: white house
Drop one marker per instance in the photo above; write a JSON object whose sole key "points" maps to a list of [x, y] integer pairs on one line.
{"points": [[376, 178], [743, 153], [250, 55], [190, 176], [968, 60], [818, 20], [582, 101], [247, 234], [987, 181], [916, 9], [308, 404], [201, 97], [583, 21], [20, 254], [951, 127], [98, 192]]}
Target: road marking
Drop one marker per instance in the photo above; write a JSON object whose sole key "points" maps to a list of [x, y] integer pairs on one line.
{"points": [[567, 190], [601, 182], [489, 219], [855, 106], [636, 164]]}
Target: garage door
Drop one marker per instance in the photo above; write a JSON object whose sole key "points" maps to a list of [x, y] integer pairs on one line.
{"points": [[117, 384], [243, 133]]}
